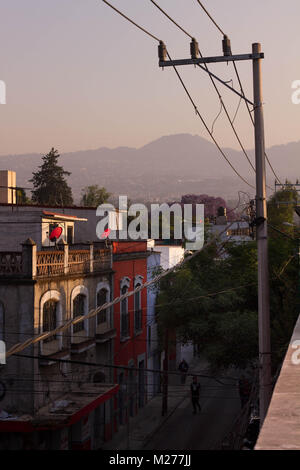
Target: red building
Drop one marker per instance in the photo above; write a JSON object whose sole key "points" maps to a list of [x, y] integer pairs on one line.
{"points": [[130, 315]]}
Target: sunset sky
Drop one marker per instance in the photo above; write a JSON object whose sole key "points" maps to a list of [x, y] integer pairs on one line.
{"points": [[79, 76]]}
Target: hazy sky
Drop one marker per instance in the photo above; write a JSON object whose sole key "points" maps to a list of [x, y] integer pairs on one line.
{"points": [[78, 76]]}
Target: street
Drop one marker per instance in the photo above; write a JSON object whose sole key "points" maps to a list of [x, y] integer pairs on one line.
{"points": [[185, 431]]}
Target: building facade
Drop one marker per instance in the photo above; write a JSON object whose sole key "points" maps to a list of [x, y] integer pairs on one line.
{"points": [[53, 397], [130, 343]]}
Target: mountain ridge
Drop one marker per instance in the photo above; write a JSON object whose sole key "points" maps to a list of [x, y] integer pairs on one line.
{"points": [[164, 168]]}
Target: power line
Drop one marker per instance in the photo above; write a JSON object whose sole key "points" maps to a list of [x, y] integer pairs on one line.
{"points": [[92, 313], [211, 18], [128, 368], [189, 96], [207, 128], [171, 19], [239, 80], [173, 303], [215, 87], [131, 21], [237, 109], [251, 117]]}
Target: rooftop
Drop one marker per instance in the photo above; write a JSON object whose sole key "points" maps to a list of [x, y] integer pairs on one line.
{"points": [[65, 411]]}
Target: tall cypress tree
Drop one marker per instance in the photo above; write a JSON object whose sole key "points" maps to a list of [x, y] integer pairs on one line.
{"points": [[49, 183]]}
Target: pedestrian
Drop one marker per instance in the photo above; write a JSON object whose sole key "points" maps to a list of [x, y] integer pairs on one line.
{"points": [[195, 395], [183, 367]]}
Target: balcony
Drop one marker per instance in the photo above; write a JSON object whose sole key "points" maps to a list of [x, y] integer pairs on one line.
{"points": [[10, 263], [63, 260]]}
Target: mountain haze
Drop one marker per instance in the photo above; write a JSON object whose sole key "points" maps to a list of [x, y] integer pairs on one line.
{"points": [[165, 168]]}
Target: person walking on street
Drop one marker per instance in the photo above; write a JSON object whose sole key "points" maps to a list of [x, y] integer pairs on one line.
{"points": [[195, 395], [183, 367]]}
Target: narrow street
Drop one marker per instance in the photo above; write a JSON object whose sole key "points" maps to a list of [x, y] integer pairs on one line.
{"points": [[185, 431]]}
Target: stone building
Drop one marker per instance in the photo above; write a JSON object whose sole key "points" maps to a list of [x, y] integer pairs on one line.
{"points": [[46, 403]]}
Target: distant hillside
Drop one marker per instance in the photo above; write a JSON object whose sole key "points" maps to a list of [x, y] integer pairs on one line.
{"points": [[165, 168]]}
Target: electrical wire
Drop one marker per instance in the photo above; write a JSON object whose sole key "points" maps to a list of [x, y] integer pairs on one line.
{"points": [[251, 117], [217, 117], [92, 313], [171, 19], [131, 21], [207, 128], [173, 303], [189, 96], [237, 109], [211, 18], [215, 87], [240, 83], [128, 368]]}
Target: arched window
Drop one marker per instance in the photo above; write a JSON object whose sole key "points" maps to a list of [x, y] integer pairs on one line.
{"points": [[2, 322], [78, 310], [50, 318], [124, 313], [80, 306], [138, 304], [102, 298]]}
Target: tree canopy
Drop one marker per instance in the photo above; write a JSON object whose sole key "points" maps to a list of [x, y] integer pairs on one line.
{"points": [[93, 196], [49, 183], [212, 300]]}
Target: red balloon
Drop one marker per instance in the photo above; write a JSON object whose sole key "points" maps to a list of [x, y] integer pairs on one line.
{"points": [[55, 234]]}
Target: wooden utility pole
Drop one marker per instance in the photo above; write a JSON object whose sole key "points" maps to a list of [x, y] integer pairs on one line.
{"points": [[261, 204], [265, 389]]}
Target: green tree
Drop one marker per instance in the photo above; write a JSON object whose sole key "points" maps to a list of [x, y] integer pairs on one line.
{"points": [[281, 209], [22, 197], [49, 183], [214, 321], [225, 325], [93, 196], [284, 269]]}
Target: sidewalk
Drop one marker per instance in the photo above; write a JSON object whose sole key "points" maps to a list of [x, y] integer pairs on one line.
{"points": [[149, 419]]}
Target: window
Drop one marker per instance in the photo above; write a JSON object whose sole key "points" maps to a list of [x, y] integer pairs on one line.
{"points": [[137, 310], [49, 318], [124, 314], [102, 298], [69, 235], [78, 310], [2, 321]]}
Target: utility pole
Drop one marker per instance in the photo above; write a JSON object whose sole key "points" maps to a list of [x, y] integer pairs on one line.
{"points": [[265, 389], [165, 375], [261, 204]]}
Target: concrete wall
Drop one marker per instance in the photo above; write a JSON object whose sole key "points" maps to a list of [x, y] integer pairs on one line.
{"points": [[17, 373], [29, 224], [16, 227], [281, 428], [170, 255], [7, 182]]}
